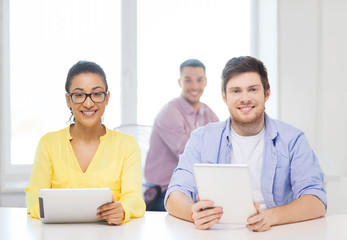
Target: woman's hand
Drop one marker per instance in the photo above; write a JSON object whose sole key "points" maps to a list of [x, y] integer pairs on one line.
{"points": [[112, 212]]}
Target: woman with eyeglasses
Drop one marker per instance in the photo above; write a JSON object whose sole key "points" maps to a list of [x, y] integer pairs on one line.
{"points": [[87, 154]]}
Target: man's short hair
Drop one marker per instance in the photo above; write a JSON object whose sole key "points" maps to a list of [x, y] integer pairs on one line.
{"points": [[243, 64], [192, 63]]}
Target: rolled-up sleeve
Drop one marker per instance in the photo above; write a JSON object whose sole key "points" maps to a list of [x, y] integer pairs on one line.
{"points": [[306, 175], [183, 179]]}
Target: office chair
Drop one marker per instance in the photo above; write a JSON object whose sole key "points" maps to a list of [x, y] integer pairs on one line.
{"points": [[142, 134]]}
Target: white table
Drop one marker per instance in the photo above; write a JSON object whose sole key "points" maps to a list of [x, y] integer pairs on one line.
{"points": [[16, 224]]}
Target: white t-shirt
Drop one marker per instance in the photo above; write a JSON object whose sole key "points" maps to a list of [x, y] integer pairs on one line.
{"points": [[249, 150]]}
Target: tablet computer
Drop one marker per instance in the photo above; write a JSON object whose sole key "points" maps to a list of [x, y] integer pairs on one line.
{"points": [[229, 187], [67, 205]]}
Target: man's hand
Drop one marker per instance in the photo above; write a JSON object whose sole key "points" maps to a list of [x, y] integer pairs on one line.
{"points": [[261, 221], [112, 212], [205, 214]]}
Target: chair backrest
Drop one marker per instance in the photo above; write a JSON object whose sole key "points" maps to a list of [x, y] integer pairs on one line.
{"points": [[142, 133]]}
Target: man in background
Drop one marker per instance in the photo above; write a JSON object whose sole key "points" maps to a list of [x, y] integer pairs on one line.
{"points": [[173, 125]]}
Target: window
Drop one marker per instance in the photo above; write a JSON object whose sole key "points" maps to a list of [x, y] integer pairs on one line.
{"points": [[46, 39], [42, 39], [171, 31]]}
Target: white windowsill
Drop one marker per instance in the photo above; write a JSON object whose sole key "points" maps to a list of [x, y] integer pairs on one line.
{"points": [[14, 186]]}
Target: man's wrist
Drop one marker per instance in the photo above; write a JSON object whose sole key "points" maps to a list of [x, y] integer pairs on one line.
{"points": [[274, 215]]}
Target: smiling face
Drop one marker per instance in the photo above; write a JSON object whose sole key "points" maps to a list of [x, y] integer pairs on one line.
{"points": [[88, 113], [193, 82], [245, 99]]}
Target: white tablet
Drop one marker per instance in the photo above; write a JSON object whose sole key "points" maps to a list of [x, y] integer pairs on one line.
{"points": [[67, 205], [228, 186]]}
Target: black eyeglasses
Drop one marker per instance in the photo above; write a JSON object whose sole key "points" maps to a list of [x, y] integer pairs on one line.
{"points": [[97, 97]]}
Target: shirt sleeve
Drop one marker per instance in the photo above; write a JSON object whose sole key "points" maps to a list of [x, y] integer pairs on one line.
{"points": [[40, 178], [306, 175], [171, 129], [183, 179], [131, 187]]}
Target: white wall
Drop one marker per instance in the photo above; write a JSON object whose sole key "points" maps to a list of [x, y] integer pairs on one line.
{"points": [[298, 64], [312, 78], [312, 57], [333, 112]]}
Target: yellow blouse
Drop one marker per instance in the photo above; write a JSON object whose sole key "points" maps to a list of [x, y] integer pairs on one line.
{"points": [[116, 165]]}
